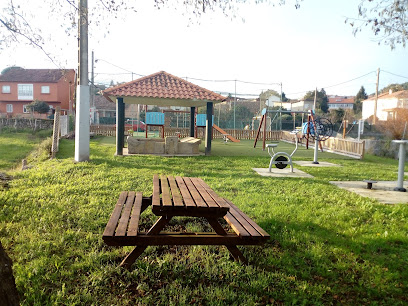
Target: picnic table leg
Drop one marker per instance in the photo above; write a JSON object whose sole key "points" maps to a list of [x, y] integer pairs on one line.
{"points": [[233, 249], [137, 251]]}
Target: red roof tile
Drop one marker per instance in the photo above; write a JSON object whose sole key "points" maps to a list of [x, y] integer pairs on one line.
{"points": [[341, 99], [163, 85], [33, 75], [402, 94]]}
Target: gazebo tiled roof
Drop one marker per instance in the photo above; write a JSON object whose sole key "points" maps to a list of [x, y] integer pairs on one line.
{"points": [[163, 88]]}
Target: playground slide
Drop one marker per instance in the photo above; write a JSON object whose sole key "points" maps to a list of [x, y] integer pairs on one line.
{"points": [[233, 139]]}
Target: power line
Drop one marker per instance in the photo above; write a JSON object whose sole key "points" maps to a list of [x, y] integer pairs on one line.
{"points": [[239, 81], [335, 84], [401, 76], [349, 80]]}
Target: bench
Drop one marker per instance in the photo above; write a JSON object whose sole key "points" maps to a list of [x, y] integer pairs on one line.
{"points": [[122, 228], [244, 226]]}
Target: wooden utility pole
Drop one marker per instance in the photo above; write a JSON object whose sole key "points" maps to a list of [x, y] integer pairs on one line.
{"points": [[314, 103], [376, 97]]}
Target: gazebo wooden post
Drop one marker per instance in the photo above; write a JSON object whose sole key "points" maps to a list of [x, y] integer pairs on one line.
{"points": [[208, 131], [192, 120], [120, 126]]}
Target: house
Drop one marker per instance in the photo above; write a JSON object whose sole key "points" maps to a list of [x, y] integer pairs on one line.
{"points": [[344, 102], [387, 105], [19, 87], [102, 111], [301, 105]]}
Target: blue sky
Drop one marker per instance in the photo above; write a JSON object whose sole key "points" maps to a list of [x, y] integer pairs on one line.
{"points": [[300, 48]]}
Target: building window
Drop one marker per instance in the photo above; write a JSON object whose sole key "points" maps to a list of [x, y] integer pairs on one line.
{"points": [[45, 89], [9, 108], [26, 110], [6, 89], [25, 91]]}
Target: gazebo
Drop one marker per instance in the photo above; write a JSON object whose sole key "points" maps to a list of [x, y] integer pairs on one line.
{"points": [[162, 89]]}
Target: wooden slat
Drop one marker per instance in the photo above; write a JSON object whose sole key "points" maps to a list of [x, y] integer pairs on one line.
{"points": [[248, 223], [204, 194], [165, 238], [156, 191], [124, 219], [166, 196], [177, 200], [194, 193], [219, 200], [113, 220], [134, 219], [236, 226], [188, 200]]}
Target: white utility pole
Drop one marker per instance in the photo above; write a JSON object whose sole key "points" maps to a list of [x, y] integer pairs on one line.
{"points": [[82, 105]]}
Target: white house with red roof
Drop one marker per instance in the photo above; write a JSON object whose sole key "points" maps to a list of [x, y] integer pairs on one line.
{"points": [[387, 105], [337, 102]]}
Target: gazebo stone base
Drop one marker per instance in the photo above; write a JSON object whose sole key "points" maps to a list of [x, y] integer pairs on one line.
{"points": [[171, 145]]}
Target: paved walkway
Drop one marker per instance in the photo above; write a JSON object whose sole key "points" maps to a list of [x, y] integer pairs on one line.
{"points": [[309, 163], [381, 191], [282, 172]]}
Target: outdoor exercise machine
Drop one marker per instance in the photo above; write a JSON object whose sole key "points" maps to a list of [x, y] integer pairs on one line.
{"points": [[401, 163], [320, 129], [281, 159]]}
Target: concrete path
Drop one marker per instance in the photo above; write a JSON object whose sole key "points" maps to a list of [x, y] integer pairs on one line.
{"points": [[381, 191], [282, 172], [311, 164]]}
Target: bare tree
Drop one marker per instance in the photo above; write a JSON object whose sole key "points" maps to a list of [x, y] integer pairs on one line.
{"points": [[17, 25], [387, 19]]}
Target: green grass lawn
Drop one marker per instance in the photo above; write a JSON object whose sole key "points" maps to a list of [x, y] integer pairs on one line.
{"points": [[14, 146], [327, 246]]}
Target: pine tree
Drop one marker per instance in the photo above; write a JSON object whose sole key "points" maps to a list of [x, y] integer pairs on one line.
{"points": [[361, 96]]}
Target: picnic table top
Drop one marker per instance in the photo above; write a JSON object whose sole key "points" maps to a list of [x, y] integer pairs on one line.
{"points": [[186, 196]]}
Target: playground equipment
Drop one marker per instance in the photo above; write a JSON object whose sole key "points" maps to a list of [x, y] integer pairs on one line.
{"points": [[201, 122], [281, 159], [264, 119], [155, 119]]}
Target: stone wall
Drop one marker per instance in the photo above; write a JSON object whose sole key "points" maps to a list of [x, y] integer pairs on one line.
{"points": [[383, 148], [27, 123]]}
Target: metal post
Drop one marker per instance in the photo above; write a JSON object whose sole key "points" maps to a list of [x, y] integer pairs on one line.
{"points": [[92, 82], [120, 126], [316, 150], [82, 105], [235, 101], [192, 121], [280, 106], [401, 163], [208, 128]]}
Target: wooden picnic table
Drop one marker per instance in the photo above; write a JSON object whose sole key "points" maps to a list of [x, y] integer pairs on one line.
{"points": [[179, 196]]}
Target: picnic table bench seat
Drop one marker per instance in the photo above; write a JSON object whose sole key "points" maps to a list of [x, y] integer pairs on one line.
{"points": [[122, 228]]}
